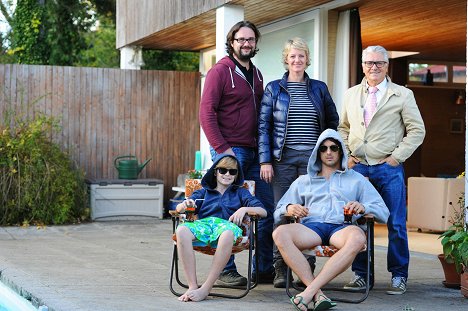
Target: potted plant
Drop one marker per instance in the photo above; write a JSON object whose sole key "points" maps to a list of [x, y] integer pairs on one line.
{"points": [[463, 249], [194, 174], [455, 246]]}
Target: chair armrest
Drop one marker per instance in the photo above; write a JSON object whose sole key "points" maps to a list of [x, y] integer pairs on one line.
{"points": [[290, 218], [174, 213], [367, 218], [254, 215]]}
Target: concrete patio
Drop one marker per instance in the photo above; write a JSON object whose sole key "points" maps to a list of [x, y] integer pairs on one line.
{"points": [[125, 265]]}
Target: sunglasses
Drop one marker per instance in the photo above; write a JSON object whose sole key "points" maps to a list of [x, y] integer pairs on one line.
{"points": [[223, 171], [333, 148]]}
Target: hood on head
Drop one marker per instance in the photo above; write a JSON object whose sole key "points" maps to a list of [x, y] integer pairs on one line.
{"points": [[209, 179], [315, 164]]}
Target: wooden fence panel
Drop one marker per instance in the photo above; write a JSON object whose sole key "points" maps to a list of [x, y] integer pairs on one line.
{"points": [[105, 113]]}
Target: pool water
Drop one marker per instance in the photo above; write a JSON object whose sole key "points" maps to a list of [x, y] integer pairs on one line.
{"points": [[11, 301]]}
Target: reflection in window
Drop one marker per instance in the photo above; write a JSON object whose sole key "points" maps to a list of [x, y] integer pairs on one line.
{"points": [[418, 72], [459, 74]]}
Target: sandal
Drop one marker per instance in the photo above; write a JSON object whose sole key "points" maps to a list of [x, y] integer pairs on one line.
{"points": [[323, 303], [300, 303]]}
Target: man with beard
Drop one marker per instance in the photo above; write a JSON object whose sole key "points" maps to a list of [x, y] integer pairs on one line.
{"points": [[228, 115]]}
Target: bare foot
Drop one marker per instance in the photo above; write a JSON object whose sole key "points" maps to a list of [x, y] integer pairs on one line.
{"points": [[198, 294], [185, 297]]}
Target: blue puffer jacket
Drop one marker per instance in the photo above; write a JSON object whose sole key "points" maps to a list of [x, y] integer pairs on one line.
{"points": [[274, 115]]}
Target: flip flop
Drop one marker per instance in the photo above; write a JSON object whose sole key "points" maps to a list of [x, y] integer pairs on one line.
{"points": [[323, 303], [301, 302]]}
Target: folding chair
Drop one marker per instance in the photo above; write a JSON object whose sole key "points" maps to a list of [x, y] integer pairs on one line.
{"points": [[248, 241], [330, 250]]}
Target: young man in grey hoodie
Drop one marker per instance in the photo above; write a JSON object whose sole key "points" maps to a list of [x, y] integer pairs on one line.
{"points": [[318, 199]]}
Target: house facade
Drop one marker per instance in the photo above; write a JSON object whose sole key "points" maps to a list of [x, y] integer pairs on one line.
{"points": [[422, 32]]}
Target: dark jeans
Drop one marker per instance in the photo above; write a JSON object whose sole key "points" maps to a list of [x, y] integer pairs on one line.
{"points": [[293, 164], [248, 158], [390, 183]]}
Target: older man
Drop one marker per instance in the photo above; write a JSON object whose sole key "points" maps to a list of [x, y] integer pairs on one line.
{"points": [[382, 127]]}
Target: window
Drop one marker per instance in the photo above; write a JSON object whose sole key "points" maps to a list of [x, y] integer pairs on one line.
{"points": [[269, 60], [436, 73], [459, 74]]}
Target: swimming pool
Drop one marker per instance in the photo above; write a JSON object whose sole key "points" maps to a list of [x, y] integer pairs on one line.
{"points": [[11, 301]]}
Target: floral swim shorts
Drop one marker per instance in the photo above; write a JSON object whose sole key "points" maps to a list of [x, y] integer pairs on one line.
{"points": [[209, 229]]}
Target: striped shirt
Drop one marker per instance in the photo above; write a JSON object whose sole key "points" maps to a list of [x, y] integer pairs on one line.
{"points": [[303, 127]]}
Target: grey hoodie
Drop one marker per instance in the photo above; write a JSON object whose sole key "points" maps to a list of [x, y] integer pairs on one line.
{"points": [[325, 198]]}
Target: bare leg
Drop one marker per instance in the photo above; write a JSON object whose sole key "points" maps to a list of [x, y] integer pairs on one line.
{"points": [[187, 257], [291, 241], [220, 259]]}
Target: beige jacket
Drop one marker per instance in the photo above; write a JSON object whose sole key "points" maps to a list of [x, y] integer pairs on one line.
{"points": [[397, 114]]}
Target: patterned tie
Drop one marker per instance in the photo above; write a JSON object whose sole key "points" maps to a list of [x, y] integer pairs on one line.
{"points": [[371, 105]]}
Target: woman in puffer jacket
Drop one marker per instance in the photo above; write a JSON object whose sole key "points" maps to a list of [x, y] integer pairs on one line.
{"points": [[294, 111]]}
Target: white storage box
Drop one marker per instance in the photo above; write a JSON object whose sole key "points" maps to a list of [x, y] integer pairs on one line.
{"points": [[125, 197], [431, 201]]}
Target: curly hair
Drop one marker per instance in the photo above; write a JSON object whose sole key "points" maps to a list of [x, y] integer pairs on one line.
{"points": [[232, 33]]}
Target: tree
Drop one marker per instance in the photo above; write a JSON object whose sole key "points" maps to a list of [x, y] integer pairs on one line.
{"points": [[171, 60], [74, 33], [100, 46], [49, 32]]}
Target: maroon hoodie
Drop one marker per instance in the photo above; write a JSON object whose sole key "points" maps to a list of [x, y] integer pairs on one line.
{"points": [[229, 106]]}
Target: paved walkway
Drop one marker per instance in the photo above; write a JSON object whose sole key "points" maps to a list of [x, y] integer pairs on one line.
{"points": [[124, 265]]}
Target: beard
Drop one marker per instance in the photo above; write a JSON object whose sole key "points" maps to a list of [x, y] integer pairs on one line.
{"points": [[244, 55]]}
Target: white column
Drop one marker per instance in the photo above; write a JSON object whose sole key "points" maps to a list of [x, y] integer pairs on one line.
{"points": [[320, 62], [226, 17], [131, 57]]}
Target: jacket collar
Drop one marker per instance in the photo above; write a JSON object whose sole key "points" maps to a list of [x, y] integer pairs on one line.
{"points": [[391, 87], [284, 81]]}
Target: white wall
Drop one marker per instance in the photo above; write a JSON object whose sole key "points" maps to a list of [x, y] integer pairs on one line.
{"points": [[269, 58]]}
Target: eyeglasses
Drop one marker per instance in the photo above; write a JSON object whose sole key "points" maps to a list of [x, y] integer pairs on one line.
{"points": [[379, 64], [243, 40], [223, 171], [333, 148]]}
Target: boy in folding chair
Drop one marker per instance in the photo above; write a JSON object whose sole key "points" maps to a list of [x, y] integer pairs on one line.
{"points": [[318, 199], [221, 206]]}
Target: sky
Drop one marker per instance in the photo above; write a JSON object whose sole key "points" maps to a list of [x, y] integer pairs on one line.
{"points": [[3, 23]]}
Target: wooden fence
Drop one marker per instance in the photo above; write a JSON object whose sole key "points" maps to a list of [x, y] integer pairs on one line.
{"points": [[105, 113]]}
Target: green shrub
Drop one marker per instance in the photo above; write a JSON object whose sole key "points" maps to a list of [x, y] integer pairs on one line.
{"points": [[39, 184]]}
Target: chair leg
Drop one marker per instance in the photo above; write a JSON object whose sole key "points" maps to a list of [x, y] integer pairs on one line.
{"points": [[253, 245], [288, 281], [175, 271]]}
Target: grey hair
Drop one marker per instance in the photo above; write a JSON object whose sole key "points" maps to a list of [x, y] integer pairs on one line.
{"points": [[298, 44], [375, 49]]}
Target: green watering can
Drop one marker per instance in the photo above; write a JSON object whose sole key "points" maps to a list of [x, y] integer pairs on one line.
{"points": [[129, 169]]}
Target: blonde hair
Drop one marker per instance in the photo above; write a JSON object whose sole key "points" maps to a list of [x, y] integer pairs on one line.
{"points": [[298, 44], [227, 162]]}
